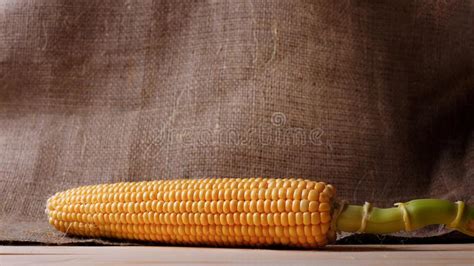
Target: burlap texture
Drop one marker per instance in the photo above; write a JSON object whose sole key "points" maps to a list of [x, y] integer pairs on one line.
{"points": [[375, 97]]}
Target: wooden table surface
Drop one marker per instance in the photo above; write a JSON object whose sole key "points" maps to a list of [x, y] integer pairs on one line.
{"points": [[453, 254]]}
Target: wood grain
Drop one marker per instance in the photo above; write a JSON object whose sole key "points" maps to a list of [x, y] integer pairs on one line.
{"points": [[454, 254]]}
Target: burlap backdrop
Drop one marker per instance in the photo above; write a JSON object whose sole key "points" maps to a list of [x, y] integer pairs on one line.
{"points": [[375, 97]]}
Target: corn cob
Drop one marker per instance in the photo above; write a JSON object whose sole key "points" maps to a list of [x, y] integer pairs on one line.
{"points": [[237, 212], [251, 212]]}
